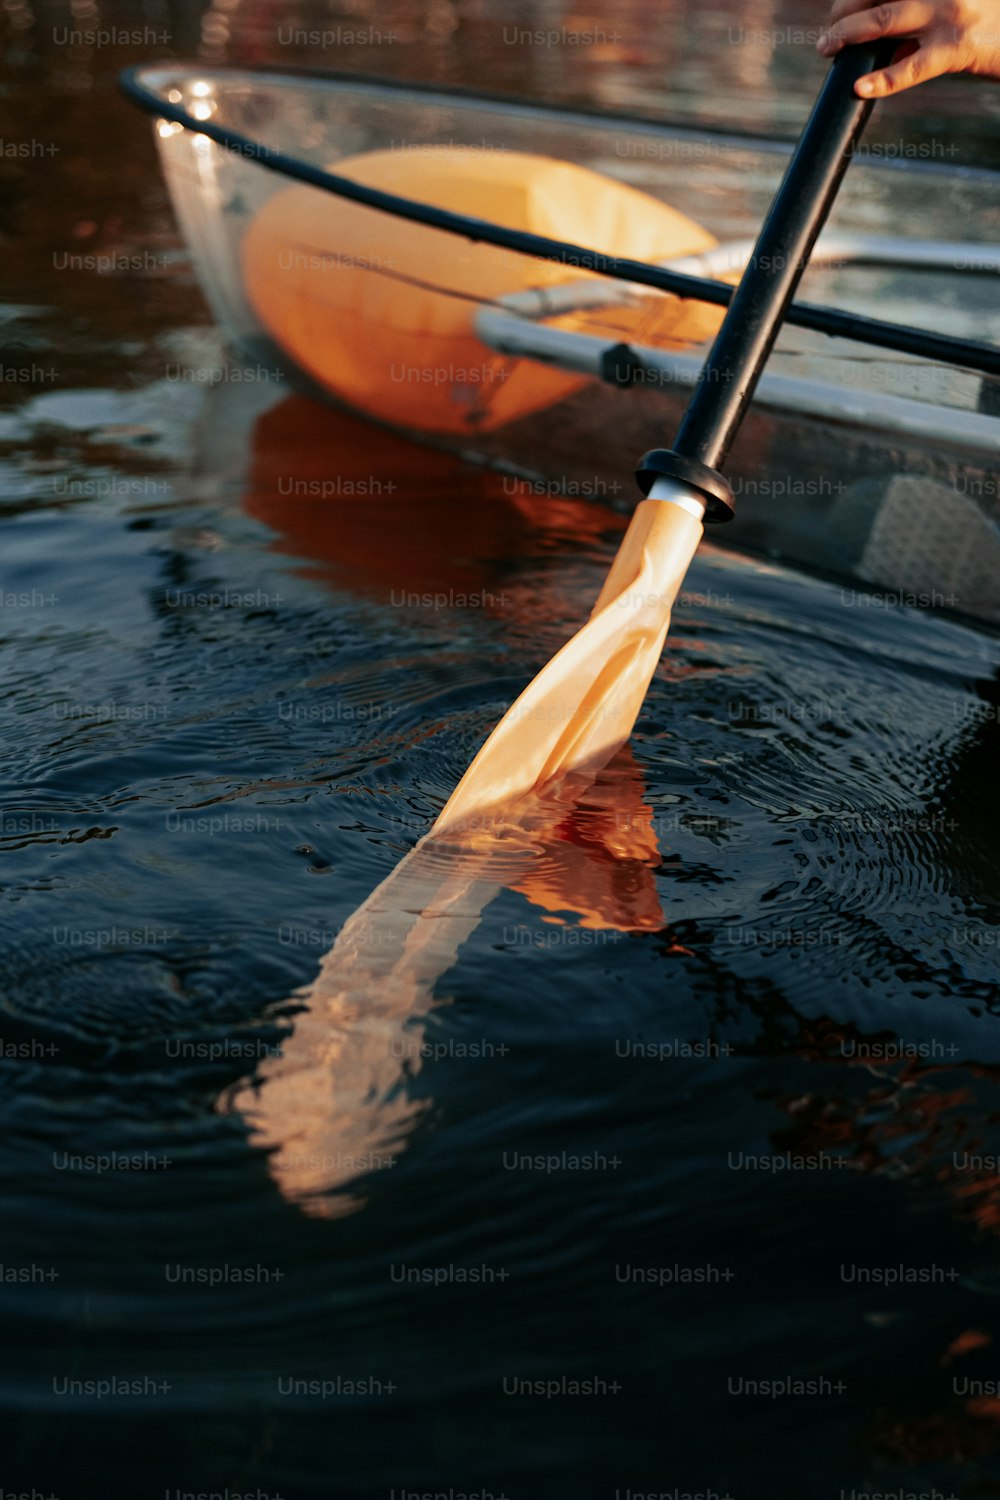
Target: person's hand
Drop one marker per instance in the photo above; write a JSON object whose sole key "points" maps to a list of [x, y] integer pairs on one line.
{"points": [[936, 36]]}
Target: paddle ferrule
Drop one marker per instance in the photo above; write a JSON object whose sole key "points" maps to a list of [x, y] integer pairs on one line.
{"points": [[780, 256], [663, 469], [672, 493]]}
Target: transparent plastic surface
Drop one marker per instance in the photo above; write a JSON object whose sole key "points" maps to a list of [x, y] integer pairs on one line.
{"points": [[857, 460], [721, 182]]}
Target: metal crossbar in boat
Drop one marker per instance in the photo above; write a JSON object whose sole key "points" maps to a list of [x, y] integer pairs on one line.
{"points": [[511, 327]]}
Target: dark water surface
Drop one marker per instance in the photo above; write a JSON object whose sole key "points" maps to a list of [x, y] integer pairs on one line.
{"points": [[688, 1086]]}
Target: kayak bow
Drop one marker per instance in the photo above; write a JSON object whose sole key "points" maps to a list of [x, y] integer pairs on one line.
{"points": [[560, 371]]}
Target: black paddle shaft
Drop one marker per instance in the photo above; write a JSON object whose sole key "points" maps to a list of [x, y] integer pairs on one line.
{"points": [[746, 338]]}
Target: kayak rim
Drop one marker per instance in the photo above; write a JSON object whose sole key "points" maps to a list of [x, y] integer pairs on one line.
{"points": [[140, 86], [132, 82]]}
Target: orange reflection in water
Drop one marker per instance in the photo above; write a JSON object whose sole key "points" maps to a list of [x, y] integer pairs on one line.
{"points": [[369, 511]]}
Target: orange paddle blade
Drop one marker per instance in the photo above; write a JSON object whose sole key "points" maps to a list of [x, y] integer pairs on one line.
{"points": [[583, 705]]}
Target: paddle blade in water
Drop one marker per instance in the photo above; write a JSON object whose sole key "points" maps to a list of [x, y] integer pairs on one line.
{"points": [[583, 705], [338, 1103]]}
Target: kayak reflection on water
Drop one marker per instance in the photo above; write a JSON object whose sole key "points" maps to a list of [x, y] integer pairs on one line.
{"points": [[370, 512]]}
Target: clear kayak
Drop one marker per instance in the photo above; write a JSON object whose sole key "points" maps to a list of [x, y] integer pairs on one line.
{"points": [[341, 228]]}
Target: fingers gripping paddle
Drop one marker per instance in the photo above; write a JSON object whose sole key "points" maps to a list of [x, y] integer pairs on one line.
{"points": [[583, 705]]}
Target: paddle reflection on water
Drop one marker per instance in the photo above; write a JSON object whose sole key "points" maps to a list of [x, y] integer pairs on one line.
{"points": [[336, 1104]]}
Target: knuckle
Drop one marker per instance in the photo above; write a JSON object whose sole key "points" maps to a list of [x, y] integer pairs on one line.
{"points": [[882, 17], [911, 71]]}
